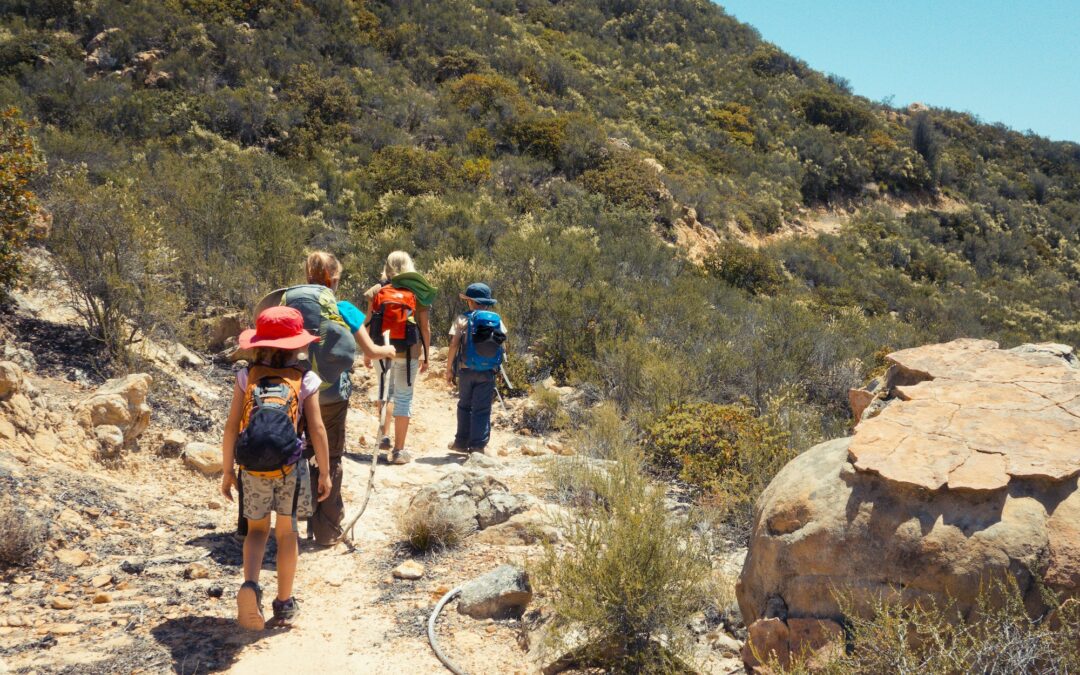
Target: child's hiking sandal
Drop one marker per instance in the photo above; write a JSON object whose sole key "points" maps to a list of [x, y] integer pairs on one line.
{"points": [[285, 611], [249, 612]]}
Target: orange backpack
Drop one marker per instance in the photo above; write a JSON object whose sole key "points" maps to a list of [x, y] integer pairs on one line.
{"points": [[269, 438]]}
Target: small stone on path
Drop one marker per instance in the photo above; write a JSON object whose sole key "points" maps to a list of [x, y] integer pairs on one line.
{"points": [[73, 557], [101, 580], [410, 569], [102, 598], [62, 603], [196, 571]]}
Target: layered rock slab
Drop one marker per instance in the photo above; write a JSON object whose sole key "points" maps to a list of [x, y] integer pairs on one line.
{"points": [[981, 417], [968, 472]]}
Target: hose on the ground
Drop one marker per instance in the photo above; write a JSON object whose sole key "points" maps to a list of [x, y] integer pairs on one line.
{"points": [[450, 665]]}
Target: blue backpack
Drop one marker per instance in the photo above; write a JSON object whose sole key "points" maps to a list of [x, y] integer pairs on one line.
{"points": [[483, 341]]}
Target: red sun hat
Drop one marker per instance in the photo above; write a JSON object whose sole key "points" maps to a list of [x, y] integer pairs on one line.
{"points": [[277, 327]]}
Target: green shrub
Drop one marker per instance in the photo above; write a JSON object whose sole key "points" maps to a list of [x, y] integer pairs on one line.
{"points": [[544, 413], [629, 579], [745, 267], [625, 180], [113, 253], [477, 94], [836, 111], [20, 163], [410, 170], [451, 276], [725, 451]]}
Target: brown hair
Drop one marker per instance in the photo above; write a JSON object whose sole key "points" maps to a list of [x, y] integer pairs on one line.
{"points": [[323, 268], [273, 357]]}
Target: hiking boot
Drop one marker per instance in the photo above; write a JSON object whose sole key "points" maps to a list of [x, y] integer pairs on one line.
{"points": [[285, 611], [479, 449], [249, 611], [384, 444], [399, 457], [456, 447]]}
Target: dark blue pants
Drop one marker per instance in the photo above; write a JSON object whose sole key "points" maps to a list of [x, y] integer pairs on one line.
{"points": [[476, 389]]}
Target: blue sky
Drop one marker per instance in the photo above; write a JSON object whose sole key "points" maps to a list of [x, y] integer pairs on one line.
{"points": [[1014, 62]]}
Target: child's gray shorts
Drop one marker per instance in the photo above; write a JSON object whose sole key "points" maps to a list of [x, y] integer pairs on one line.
{"points": [[263, 495]]}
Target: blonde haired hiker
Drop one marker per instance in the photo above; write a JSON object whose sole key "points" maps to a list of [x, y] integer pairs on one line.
{"points": [[273, 399], [400, 306]]}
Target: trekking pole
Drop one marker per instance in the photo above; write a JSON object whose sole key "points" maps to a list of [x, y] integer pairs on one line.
{"points": [[506, 379], [347, 534]]}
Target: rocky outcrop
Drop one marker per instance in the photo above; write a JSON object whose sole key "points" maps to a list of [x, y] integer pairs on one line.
{"points": [[120, 402], [968, 470], [11, 380], [470, 497]]}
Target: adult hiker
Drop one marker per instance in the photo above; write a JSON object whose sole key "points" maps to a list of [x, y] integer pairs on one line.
{"points": [[262, 438], [400, 305], [332, 358], [476, 354]]}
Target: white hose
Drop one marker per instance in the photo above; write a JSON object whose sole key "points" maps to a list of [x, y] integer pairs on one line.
{"points": [[450, 665]]}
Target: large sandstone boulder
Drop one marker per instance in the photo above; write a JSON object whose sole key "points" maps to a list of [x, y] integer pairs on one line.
{"points": [[968, 471], [120, 402]]}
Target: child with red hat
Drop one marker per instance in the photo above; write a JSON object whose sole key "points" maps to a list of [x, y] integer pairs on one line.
{"points": [[274, 404]]}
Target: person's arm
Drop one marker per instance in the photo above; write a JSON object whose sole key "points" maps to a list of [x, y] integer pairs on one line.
{"points": [[423, 317], [316, 431], [228, 442], [451, 355]]}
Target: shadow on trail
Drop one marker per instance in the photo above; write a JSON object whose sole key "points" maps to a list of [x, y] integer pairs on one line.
{"points": [[443, 460], [227, 549], [205, 644]]}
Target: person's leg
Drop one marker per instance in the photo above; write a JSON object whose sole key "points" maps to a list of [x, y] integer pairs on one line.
{"points": [[483, 391], [287, 553], [325, 522], [404, 375], [385, 392], [255, 547], [464, 408]]}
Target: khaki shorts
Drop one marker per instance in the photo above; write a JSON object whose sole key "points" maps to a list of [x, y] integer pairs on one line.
{"points": [[263, 495]]}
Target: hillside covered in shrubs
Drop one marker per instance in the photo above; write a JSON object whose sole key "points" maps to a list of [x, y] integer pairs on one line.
{"points": [[194, 148]]}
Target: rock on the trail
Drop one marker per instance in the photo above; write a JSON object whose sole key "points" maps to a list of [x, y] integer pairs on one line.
{"points": [[196, 571], [11, 379], [967, 474], [173, 443], [133, 567], [534, 526], [499, 594], [61, 602], [470, 497], [120, 402], [203, 457], [410, 569], [73, 557]]}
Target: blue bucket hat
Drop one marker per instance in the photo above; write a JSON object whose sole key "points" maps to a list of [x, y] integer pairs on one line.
{"points": [[480, 294]]}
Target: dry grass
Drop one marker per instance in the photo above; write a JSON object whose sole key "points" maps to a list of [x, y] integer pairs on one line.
{"points": [[22, 535], [434, 528]]}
